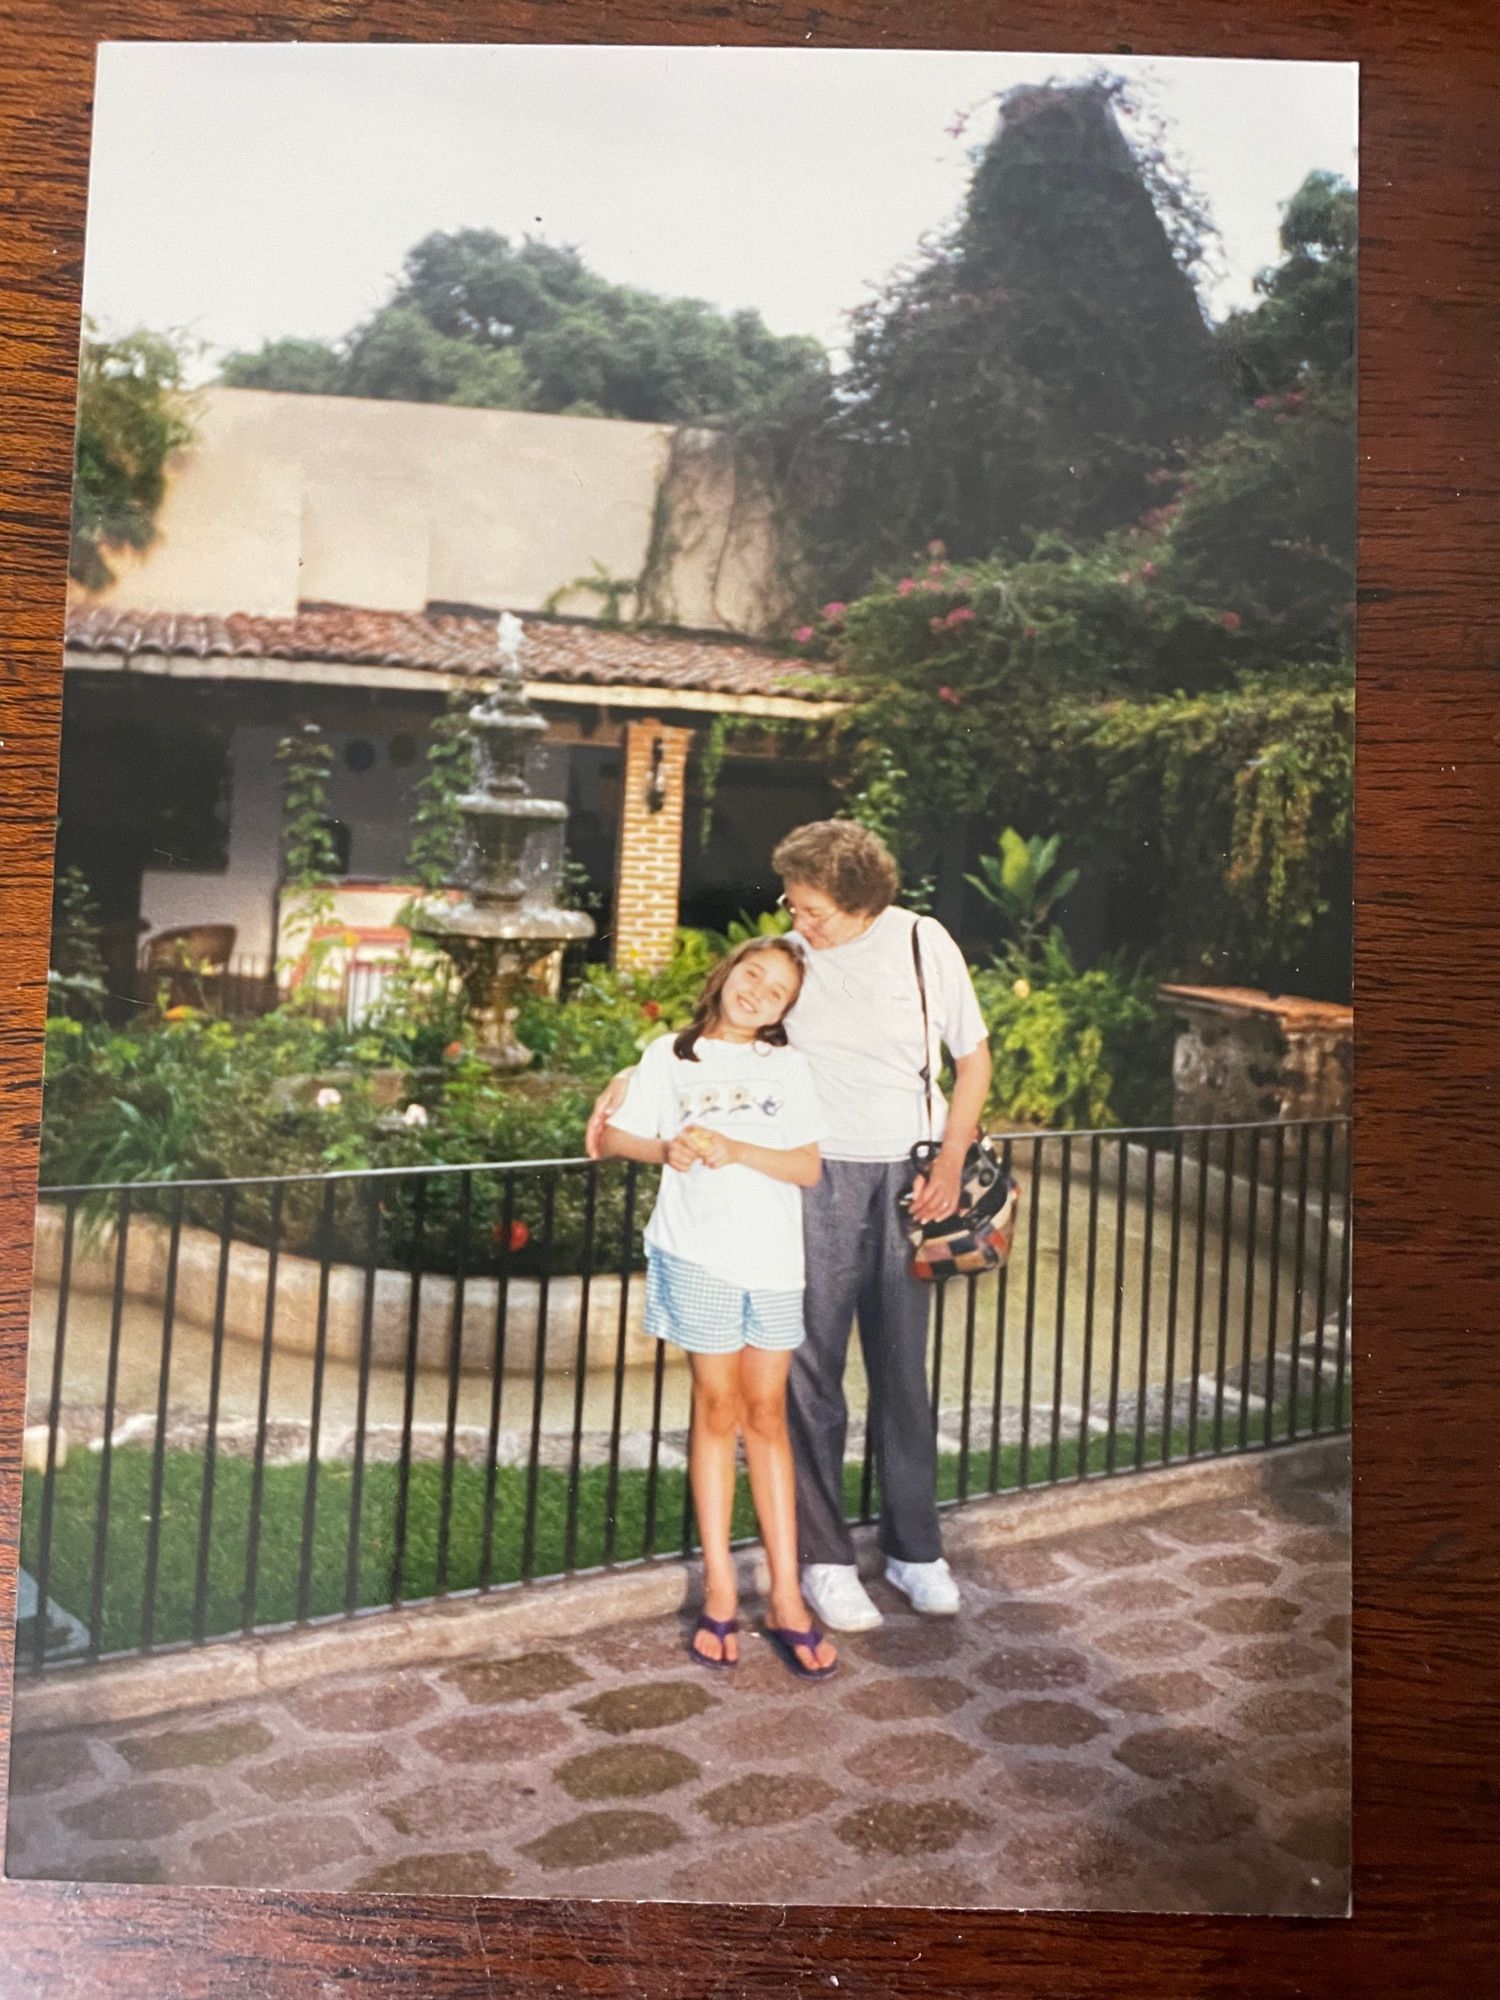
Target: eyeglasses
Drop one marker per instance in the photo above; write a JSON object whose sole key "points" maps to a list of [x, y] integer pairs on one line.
{"points": [[818, 921]]}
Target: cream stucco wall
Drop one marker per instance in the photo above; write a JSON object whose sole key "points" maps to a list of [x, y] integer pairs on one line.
{"points": [[391, 506]]}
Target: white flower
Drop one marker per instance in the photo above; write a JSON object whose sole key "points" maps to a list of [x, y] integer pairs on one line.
{"points": [[414, 1114], [328, 1098]]}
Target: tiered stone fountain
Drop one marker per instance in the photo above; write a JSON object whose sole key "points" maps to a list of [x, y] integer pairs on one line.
{"points": [[509, 920]]}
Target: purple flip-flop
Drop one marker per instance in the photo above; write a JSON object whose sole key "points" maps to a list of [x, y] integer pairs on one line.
{"points": [[722, 1629], [786, 1642]]}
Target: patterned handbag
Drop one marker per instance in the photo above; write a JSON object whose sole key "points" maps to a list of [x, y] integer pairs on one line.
{"points": [[979, 1233]]}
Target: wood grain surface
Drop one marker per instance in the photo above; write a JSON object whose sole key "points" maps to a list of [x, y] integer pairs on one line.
{"points": [[1427, 1633]]}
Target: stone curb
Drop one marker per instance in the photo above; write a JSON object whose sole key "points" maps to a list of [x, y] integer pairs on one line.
{"points": [[134, 1690]]}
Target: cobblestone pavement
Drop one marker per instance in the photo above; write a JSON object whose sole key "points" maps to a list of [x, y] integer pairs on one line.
{"points": [[1152, 1716]]}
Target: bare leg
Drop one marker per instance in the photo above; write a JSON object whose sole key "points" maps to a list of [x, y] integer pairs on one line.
{"points": [[716, 1418], [768, 1454]]}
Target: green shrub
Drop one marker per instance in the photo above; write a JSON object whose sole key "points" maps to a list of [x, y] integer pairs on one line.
{"points": [[1074, 1049]]}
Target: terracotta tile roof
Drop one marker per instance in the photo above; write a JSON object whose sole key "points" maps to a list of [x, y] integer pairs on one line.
{"points": [[576, 654]]}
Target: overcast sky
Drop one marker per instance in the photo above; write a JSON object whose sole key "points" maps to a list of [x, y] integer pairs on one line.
{"points": [[244, 191]]}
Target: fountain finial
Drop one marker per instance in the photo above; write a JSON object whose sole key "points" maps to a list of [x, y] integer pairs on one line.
{"points": [[508, 640]]}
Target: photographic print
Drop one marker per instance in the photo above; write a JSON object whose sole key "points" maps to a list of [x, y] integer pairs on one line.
{"points": [[693, 1239]]}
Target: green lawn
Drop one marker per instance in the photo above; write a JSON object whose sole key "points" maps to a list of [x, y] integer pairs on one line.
{"points": [[279, 1561]]}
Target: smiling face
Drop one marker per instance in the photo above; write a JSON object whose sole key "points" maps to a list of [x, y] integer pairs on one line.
{"points": [[757, 991]]}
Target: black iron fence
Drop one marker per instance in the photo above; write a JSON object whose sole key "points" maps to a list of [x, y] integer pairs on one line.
{"points": [[262, 1404]]}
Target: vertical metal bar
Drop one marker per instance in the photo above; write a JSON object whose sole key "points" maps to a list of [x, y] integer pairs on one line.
{"points": [[653, 1466], [580, 1368], [1174, 1268], [409, 1393], [1090, 1278], [617, 1406], [539, 1379], [1028, 1336], [867, 1466], [107, 1446], [971, 1303], [315, 1414], [1117, 1310], [1059, 1324], [687, 1496], [1247, 1330], [1200, 1243], [262, 1411], [1226, 1238], [54, 1413], [455, 1378], [362, 1397], [1341, 1352], [1143, 1364], [938, 1317], [211, 1438], [997, 1393], [1299, 1275], [497, 1381], [1325, 1205], [1273, 1299], [159, 1446]]}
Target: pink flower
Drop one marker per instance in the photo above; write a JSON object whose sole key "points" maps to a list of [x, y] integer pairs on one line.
{"points": [[1293, 401], [1148, 570], [1032, 631], [937, 548], [1264, 402], [959, 615], [906, 586], [1162, 476], [949, 695], [1230, 620], [937, 569], [802, 634], [935, 624], [834, 611]]}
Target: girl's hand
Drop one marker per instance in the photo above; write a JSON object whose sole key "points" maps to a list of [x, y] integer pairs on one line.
{"points": [[715, 1149], [681, 1153]]}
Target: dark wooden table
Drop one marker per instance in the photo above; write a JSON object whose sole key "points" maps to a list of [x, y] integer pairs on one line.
{"points": [[1427, 1324]]}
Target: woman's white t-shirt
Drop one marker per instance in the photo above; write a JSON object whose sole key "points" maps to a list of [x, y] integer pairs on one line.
{"points": [[858, 1020], [734, 1221]]}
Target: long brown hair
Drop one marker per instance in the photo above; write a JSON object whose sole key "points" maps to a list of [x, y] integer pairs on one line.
{"points": [[709, 1011]]}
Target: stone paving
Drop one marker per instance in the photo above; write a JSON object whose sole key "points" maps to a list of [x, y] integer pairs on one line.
{"points": [[1151, 1715]]}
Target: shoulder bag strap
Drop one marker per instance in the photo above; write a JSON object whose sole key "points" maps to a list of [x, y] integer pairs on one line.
{"points": [[926, 1070]]}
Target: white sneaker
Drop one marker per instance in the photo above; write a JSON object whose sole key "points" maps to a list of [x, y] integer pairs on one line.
{"points": [[930, 1586], [839, 1599]]}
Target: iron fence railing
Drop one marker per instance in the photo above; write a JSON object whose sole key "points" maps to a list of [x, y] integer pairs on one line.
{"points": [[260, 1404]]}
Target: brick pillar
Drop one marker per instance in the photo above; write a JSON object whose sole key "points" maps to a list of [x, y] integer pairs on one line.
{"points": [[648, 869]]}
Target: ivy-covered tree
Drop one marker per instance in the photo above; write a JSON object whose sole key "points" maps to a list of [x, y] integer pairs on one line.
{"points": [[1031, 371], [133, 413], [302, 367]]}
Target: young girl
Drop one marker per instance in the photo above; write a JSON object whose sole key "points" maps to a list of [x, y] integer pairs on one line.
{"points": [[729, 1110]]}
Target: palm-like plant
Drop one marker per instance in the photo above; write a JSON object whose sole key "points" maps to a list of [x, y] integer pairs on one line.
{"points": [[1018, 880]]}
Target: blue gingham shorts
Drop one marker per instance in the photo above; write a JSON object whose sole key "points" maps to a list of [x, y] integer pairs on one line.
{"points": [[695, 1310]]}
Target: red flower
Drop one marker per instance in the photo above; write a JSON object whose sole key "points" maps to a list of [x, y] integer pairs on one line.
{"points": [[802, 634], [949, 695], [834, 611], [652, 1010], [906, 586], [1230, 620], [1264, 402], [1293, 401], [961, 614], [453, 1051], [514, 1236]]}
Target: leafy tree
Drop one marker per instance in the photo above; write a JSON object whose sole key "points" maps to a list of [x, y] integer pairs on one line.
{"points": [[478, 320], [133, 413], [1304, 324], [306, 367]]}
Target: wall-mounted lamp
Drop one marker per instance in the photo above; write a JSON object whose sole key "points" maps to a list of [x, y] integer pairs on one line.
{"points": [[656, 783]]}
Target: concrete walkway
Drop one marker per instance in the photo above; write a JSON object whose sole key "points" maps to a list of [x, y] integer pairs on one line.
{"points": [[1150, 1715]]}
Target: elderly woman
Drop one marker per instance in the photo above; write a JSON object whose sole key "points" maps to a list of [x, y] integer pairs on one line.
{"points": [[859, 1021]]}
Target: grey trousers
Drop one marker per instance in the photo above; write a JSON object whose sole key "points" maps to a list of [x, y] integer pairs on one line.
{"points": [[857, 1264]]}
